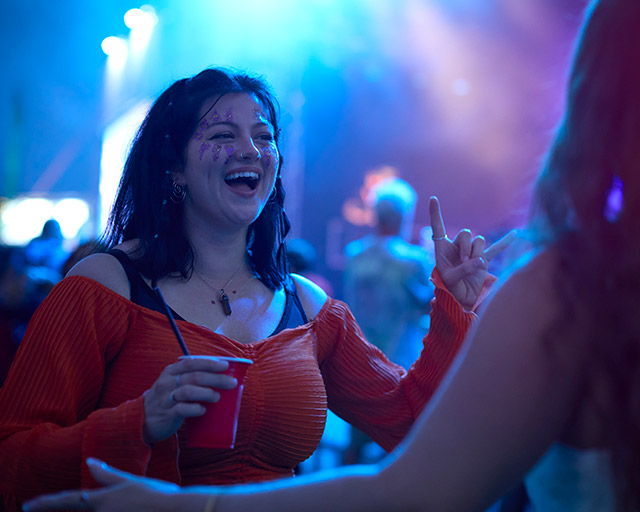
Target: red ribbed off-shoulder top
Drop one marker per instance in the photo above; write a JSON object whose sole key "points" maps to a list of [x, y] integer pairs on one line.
{"points": [[76, 390]]}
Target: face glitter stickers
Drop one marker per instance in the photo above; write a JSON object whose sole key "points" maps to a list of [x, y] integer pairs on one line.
{"points": [[203, 147], [213, 117], [229, 150]]}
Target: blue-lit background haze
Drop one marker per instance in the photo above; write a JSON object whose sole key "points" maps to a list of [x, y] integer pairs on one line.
{"points": [[461, 95]]}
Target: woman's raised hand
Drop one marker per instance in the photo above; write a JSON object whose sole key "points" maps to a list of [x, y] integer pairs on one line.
{"points": [[462, 262], [177, 394]]}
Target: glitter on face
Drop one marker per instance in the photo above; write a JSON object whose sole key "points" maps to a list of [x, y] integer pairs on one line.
{"points": [[203, 147], [204, 124], [270, 154], [266, 154], [216, 151], [229, 150], [213, 117], [228, 117], [260, 116]]}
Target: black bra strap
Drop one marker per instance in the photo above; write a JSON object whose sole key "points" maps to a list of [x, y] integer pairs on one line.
{"points": [[140, 291]]}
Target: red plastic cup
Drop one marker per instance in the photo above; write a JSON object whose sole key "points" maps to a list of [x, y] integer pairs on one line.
{"points": [[216, 428]]}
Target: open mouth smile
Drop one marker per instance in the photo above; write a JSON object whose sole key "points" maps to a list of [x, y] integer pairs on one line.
{"points": [[242, 180]]}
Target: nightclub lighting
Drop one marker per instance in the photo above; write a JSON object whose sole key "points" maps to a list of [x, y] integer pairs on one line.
{"points": [[22, 218], [116, 140], [461, 87], [143, 18], [115, 47], [141, 22], [71, 213]]}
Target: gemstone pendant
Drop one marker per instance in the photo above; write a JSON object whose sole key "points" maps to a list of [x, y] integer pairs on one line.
{"points": [[224, 300]]}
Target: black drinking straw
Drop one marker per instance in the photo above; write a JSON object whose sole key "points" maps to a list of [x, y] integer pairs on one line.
{"points": [[172, 322]]}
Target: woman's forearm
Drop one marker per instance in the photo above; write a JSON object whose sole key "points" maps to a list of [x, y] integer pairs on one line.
{"points": [[357, 488]]}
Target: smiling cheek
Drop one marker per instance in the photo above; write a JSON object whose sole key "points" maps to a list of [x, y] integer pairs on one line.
{"points": [[203, 147], [270, 156]]}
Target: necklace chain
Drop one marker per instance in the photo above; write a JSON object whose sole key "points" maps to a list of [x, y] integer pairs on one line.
{"points": [[223, 297]]}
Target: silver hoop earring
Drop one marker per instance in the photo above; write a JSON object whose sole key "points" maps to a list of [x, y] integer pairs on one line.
{"points": [[178, 193]]}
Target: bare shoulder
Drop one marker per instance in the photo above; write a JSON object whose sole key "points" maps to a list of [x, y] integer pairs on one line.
{"points": [[311, 295], [535, 279], [106, 270], [528, 304]]}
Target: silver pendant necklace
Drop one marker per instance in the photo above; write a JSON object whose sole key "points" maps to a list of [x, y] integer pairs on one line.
{"points": [[222, 295]]}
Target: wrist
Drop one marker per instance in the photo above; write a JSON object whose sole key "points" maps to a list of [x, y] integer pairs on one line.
{"points": [[146, 435]]}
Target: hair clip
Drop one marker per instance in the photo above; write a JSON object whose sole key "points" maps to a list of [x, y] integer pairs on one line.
{"points": [[615, 200]]}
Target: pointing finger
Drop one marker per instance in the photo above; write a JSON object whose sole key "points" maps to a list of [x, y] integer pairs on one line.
{"points": [[494, 249], [437, 225]]}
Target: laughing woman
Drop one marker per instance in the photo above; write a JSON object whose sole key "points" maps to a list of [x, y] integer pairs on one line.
{"points": [[200, 215]]}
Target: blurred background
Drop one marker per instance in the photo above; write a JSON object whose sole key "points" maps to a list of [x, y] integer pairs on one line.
{"points": [[460, 96]]}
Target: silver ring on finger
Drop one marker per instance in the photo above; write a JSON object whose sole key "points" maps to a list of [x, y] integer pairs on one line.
{"points": [[437, 238], [177, 380], [172, 398], [84, 500]]}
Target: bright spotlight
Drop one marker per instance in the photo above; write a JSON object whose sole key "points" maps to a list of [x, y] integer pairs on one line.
{"points": [[141, 22], [114, 46], [143, 18], [22, 219], [71, 213]]}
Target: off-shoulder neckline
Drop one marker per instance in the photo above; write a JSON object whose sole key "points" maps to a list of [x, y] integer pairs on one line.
{"points": [[324, 311]]}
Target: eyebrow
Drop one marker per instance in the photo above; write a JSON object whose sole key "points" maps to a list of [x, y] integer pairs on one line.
{"points": [[231, 123]]}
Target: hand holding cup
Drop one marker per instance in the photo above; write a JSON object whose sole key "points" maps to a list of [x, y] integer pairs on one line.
{"points": [[179, 393]]}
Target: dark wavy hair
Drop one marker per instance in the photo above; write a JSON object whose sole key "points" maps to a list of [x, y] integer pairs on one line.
{"points": [[143, 210], [587, 205]]}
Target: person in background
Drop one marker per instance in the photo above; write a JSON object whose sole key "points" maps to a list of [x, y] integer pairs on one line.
{"points": [[27, 277], [386, 284], [198, 226], [386, 278], [47, 250], [547, 384]]}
